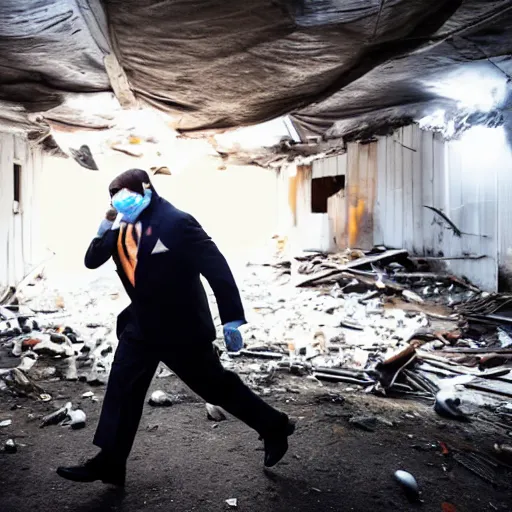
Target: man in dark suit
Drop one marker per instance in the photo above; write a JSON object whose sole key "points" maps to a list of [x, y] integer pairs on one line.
{"points": [[160, 253]]}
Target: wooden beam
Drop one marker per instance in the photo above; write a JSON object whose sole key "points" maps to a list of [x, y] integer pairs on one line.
{"points": [[119, 82]]}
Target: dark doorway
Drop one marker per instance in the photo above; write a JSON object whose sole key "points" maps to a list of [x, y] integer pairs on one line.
{"points": [[322, 189]]}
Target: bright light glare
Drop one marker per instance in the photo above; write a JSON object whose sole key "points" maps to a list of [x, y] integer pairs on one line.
{"points": [[251, 137], [481, 146], [473, 89], [437, 121]]}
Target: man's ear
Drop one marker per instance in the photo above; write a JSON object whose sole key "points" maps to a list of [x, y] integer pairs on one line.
{"points": [[146, 186]]}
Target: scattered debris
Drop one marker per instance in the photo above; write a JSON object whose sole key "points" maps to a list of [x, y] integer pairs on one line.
{"points": [[504, 452], [75, 419], [414, 297], [163, 372], [409, 485], [448, 406], [480, 465], [18, 384], [378, 321], [444, 448], [215, 413], [368, 423], [160, 398], [56, 417], [10, 446]]}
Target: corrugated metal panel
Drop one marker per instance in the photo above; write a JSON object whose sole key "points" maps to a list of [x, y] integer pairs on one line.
{"points": [[6, 197], [330, 166], [360, 186], [337, 211], [418, 168], [19, 233], [313, 231], [503, 162], [471, 205]]}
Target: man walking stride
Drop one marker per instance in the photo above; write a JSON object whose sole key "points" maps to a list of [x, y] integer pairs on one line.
{"points": [[160, 253]]}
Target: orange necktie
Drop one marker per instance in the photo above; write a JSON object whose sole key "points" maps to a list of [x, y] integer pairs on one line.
{"points": [[127, 247]]}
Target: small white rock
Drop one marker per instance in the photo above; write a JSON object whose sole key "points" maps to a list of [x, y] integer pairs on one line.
{"points": [[214, 413], [10, 446], [232, 502], [88, 394], [160, 398], [5, 423]]}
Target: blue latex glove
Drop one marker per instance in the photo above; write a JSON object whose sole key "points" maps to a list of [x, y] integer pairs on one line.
{"points": [[104, 227], [233, 337]]}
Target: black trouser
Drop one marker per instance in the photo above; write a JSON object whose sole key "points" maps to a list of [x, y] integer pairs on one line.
{"points": [[198, 365]]}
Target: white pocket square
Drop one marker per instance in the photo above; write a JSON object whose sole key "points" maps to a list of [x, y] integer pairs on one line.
{"points": [[159, 248]]}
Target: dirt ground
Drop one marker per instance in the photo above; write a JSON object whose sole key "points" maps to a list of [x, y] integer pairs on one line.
{"points": [[183, 462]]}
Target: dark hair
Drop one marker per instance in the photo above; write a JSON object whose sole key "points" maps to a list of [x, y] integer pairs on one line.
{"points": [[132, 179]]}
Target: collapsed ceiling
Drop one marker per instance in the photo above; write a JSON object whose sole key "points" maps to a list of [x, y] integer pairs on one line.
{"points": [[334, 65]]}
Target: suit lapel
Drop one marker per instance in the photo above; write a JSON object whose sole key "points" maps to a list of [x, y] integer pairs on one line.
{"points": [[150, 231]]}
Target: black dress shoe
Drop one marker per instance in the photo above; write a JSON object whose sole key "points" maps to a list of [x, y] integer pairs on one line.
{"points": [[98, 468], [277, 445]]}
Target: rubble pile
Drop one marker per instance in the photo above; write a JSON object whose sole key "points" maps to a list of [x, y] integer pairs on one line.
{"points": [[47, 334], [379, 322]]}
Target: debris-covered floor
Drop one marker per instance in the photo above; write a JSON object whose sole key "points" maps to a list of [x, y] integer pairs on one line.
{"points": [[385, 365]]}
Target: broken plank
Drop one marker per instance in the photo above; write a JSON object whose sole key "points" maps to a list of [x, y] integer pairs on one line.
{"points": [[491, 386], [119, 82], [494, 318], [258, 354], [384, 257], [482, 351], [340, 378]]}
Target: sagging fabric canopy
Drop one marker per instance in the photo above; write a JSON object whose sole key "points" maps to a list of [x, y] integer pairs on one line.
{"points": [[212, 64]]}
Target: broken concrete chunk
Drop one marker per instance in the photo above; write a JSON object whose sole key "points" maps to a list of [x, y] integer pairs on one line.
{"points": [[75, 419], [19, 384], [10, 446], [447, 405], [160, 398], [58, 338], [163, 371], [232, 502], [56, 417], [28, 360], [215, 413], [48, 347], [71, 372], [413, 297], [367, 423]]}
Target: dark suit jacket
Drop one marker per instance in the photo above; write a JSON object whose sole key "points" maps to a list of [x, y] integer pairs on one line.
{"points": [[169, 302]]}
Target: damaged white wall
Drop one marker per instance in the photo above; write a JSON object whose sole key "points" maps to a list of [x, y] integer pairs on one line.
{"points": [[20, 174], [305, 229], [468, 180]]}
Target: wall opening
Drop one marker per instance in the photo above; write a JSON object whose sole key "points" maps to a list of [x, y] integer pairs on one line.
{"points": [[322, 189], [17, 186]]}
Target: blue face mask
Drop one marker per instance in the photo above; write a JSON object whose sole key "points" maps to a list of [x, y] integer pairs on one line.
{"points": [[131, 204]]}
